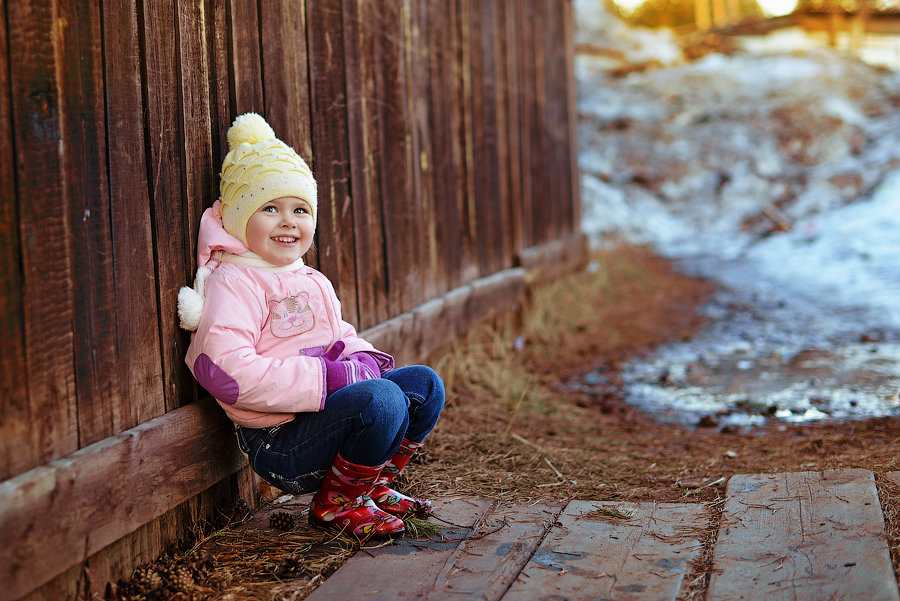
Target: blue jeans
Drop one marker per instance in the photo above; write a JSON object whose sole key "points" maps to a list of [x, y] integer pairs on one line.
{"points": [[364, 423]]}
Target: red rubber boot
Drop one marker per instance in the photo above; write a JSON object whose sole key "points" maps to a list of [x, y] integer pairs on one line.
{"points": [[343, 503], [388, 499]]}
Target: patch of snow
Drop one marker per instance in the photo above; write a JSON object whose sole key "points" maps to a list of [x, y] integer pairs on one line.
{"points": [[710, 162]]}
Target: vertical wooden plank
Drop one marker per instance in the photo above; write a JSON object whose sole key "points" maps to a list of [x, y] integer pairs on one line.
{"points": [[200, 175], [489, 189], [527, 149], [14, 403], [169, 208], [84, 168], [385, 20], [541, 212], [505, 253], [365, 165], [421, 74], [444, 147], [556, 122], [221, 100], [139, 369], [420, 201], [472, 265], [802, 536], [328, 103], [571, 117], [513, 135], [50, 428], [286, 83], [246, 61]]}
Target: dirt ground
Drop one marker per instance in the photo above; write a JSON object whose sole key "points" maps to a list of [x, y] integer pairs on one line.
{"points": [[514, 429], [599, 446]]}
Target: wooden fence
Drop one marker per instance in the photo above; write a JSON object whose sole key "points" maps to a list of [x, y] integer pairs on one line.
{"points": [[442, 136]]}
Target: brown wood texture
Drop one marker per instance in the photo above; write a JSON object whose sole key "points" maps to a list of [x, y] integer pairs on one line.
{"points": [[165, 171], [478, 559], [47, 426], [139, 368], [802, 536], [104, 491], [509, 38], [488, 154], [87, 197], [220, 86], [286, 81], [528, 149], [200, 175], [399, 200], [421, 121], [590, 555], [417, 59], [244, 29], [328, 101], [144, 545], [571, 145], [365, 163], [442, 149], [18, 451]]}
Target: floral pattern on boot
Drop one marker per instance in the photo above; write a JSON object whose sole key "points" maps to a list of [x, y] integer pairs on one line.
{"points": [[389, 500], [342, 503]]}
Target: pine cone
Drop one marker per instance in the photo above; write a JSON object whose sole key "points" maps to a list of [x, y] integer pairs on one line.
{"points": [[146, 579], [180, 578], [281, 520], [292, 566]]}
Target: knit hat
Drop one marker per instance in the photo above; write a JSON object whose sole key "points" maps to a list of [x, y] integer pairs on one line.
{"points": [[258, 168]]}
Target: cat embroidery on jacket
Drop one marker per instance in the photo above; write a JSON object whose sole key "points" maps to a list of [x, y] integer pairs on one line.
{"points": [[291, 316]]}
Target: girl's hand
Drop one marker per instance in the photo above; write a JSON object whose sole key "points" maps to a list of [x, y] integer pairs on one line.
{"points": [[343, 372]]}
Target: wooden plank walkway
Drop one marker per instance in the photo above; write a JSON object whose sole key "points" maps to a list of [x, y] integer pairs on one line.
{"points": [[800, 536]]}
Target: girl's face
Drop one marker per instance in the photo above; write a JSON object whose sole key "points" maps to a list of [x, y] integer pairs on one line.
{"points": [[281, 231]]}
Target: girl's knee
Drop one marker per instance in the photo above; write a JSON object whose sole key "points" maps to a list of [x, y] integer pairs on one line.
{"points": [[384, 401]]}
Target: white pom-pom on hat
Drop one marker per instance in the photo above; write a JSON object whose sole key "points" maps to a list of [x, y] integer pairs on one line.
{"points": [[250, 128]]}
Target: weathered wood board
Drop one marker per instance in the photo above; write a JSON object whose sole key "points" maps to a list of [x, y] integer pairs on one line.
{"points": [[589, 555], [802, 536], [475, 558]]}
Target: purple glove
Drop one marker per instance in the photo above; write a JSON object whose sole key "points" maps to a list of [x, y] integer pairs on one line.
{"points": [[343, 372]]}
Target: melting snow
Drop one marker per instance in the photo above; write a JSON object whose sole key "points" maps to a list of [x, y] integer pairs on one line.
{"points": [[776, 176]]}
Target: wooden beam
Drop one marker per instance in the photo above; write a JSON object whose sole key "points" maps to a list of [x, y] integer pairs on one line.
{"points": [[549, 261], [415, 334], [56, 515]]}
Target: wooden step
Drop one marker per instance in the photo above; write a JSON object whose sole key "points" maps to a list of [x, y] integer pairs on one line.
{"points": [[475, 558], [590, 554], [802, 536]]}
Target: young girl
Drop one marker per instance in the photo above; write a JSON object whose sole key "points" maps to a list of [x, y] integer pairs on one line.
{"points": [[315, 406]]}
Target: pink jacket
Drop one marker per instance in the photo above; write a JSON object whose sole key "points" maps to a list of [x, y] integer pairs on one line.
{"points": [[262, 331]]}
